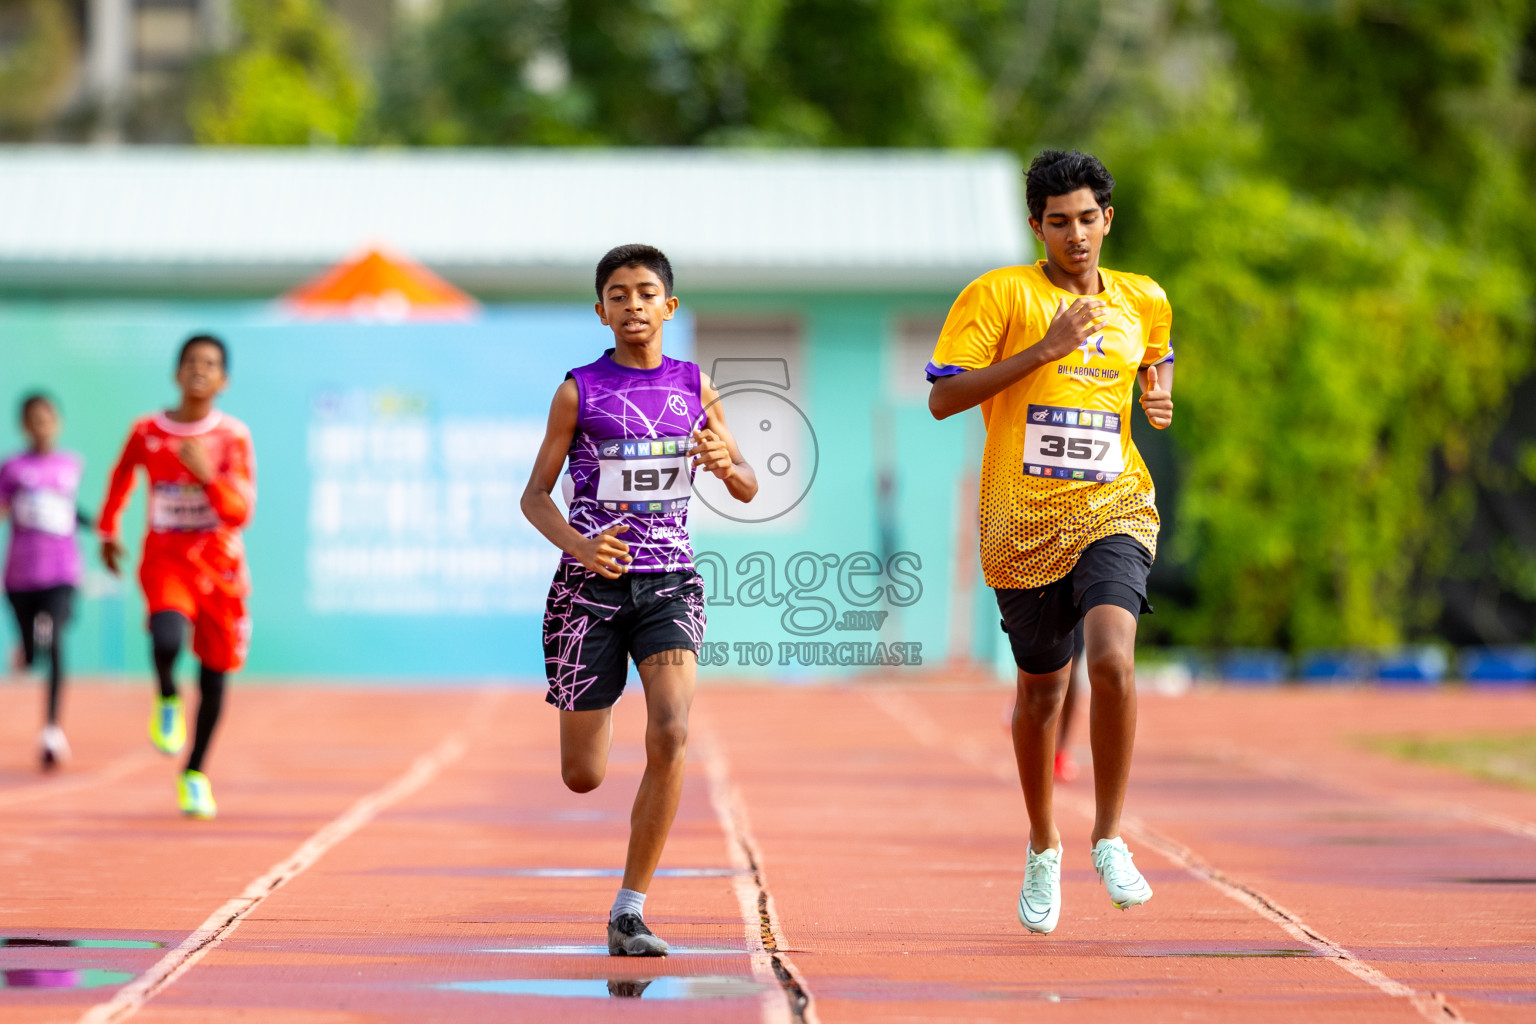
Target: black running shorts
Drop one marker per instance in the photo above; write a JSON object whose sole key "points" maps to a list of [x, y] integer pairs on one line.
{"points": [[1040, 622], [593, 625]]}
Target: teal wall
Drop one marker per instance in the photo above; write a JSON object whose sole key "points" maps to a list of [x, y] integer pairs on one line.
{"points": [[849, 401], [423, 605]]}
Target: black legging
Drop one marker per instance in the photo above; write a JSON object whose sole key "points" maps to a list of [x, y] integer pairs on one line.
{"points": [[56, 603], [166, 630]]}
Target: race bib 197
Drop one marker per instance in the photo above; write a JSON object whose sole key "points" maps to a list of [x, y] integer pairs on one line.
{"points": [[45, 512], [649, 477], [175, 508], [1072, 444]]}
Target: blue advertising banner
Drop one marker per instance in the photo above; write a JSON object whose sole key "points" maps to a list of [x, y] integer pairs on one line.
{"points": [[387, 540]]}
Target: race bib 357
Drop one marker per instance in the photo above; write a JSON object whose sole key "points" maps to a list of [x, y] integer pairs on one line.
{"points": [[1072, 444]]}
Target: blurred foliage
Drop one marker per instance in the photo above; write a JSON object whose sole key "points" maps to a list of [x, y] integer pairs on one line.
{"points": [[1350, 260], [290, 81], [1337, 195], [683, 72], [1328, 364], [37, 58]]}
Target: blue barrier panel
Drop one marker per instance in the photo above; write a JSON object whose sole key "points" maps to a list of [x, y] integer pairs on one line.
{"points": [[1254, 666], [1334, 666], [1498, 666], [1423, 665]]}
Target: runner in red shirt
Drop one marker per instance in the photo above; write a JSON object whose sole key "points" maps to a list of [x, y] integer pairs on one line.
{"points": [[202, 477]]}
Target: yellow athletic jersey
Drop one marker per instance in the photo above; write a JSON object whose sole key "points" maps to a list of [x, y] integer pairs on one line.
{"points": [[1060, 470]]}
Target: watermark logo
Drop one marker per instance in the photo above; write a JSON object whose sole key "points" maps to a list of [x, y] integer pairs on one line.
{"points": [[774, 436], [815, 594]]}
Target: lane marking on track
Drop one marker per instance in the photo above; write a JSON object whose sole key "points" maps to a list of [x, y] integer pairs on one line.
{"points": [[130, 999], [1278, 767], [927, 731], [113, 770], [765, 936]]}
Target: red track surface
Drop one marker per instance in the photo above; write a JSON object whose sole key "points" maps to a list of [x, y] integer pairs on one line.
{"points": [[1297, 876]]}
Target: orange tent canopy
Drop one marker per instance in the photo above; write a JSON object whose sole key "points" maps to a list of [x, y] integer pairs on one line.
{"points": [[379, 286]]}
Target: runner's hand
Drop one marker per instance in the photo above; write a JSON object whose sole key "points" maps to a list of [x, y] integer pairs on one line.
{"points": [[1157, 404], [195, 457], [712, 454], [1071, 327], [605, 554], [112, 555]]}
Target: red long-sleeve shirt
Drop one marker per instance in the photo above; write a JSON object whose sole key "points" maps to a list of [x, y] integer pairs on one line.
{"points": [[188, 519]]}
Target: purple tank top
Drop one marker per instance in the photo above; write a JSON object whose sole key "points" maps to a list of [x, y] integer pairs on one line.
{"points": [[629, 461], [40, 492]]}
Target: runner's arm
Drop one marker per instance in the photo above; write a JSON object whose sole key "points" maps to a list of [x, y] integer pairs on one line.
{"points": [[232, 492], [119, 486], [1157, 393], [961, 391], [717, 451], [1069, 328], [604, 554]]}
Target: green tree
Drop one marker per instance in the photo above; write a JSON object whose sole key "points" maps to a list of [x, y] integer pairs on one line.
{"points": [[684, 72], [289, 82], [37, 46], [1337, 375], [1337, 195]]}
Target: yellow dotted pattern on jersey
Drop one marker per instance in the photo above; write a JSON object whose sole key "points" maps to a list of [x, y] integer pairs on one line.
{"points": [[1033, 530]]}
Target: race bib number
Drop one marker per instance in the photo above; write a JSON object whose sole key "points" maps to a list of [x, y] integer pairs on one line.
{"points": [[644, 476], [180, 508], [45, 512], [1072, 444]]}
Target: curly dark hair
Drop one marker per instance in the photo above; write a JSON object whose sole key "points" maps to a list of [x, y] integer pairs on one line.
{"points": [[1057, 172]]}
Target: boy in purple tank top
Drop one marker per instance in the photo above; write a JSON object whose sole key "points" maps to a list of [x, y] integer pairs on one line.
{"points": [[633, 426], [42, 566]]}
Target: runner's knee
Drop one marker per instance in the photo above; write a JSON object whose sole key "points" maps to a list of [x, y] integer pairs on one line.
{"points": [[666, 737], [1112, 668], [167, 630], [581, 778], [1040, 696]]}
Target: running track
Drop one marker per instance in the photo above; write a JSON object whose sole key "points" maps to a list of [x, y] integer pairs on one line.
{"points": [[842, 854]]}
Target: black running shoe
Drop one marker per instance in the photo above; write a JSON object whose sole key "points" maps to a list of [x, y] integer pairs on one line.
{"points": [[628, 988], [628, 936]]}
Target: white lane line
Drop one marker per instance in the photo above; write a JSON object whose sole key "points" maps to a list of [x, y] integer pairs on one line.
{"points": [[1492, 819], [110, 772], [131, 997], [789, 1001], [1430, 1005]]}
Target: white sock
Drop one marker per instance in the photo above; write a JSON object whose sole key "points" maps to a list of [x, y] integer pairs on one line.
{"points": [[627, 902]]}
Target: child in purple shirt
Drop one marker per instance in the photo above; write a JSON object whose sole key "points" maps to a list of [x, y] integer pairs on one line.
{"points": [[37, 491], [631, 428]]}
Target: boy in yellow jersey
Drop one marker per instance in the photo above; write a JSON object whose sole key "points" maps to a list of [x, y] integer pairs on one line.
{"points": [[1068, 520]]}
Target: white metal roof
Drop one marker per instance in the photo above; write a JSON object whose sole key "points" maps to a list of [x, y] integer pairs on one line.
{"points": [[504, 220]]}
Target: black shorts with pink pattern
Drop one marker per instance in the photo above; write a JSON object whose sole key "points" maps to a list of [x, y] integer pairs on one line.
{"points": [[593, 626]]}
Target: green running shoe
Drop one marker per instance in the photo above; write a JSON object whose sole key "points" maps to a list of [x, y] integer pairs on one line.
{"points": [[195, 794], [167, 726]]}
